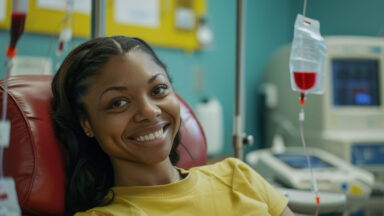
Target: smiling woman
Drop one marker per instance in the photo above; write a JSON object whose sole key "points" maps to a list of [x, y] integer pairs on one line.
{"points": [[133, 113], [116, 113]]}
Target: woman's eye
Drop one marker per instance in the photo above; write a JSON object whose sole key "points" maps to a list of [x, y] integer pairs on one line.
{"points": [[118, 103], [159, 90]]}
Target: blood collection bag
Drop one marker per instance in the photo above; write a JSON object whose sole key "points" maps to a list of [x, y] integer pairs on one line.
{"points": [[307, 59], [19, 9]]}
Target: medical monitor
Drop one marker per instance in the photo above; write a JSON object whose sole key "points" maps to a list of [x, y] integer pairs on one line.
{"points": [[353, 98], [354, 101], [356, 82]]}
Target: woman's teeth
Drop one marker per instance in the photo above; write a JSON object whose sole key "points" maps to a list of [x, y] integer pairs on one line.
{"points": [[151, 136]]}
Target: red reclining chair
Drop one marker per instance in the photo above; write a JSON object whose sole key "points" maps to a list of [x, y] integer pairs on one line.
{"points": [[35, 158]]}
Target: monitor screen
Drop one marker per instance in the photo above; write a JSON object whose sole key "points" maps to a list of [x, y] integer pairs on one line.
{"points": [[355, 82], [299, 161]]}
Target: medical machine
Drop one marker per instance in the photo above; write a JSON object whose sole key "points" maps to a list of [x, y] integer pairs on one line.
{"points": [[289, 168], [348, 119]]}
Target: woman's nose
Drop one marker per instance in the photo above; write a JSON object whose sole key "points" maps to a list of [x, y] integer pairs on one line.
{"points": [[147, 110]]}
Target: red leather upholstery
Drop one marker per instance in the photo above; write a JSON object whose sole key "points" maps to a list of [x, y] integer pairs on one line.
{"points": [[35, 158]]}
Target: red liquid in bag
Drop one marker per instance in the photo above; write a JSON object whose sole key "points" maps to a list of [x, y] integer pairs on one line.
{"points": [[17, 27], [305, 80]]}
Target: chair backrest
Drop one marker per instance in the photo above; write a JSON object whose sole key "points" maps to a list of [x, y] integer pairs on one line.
{"points": [[35, 158]]}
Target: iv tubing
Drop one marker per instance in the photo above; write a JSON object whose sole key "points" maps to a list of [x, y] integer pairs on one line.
{"points": [[54, 33], [19, 11], [313, 179], [8, 66]]}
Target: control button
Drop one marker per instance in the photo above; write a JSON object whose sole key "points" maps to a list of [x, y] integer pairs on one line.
{"points": [[343, 186]]}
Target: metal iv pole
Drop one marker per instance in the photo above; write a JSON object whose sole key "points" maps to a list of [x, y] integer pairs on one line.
{"points": [[239, 137], [98, 19]]}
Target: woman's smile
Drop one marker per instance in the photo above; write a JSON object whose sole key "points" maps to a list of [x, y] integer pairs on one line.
{"points": [[150, 137]]}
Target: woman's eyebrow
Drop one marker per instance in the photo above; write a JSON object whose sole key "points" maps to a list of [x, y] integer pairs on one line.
{"points": [[113, 88], [123, 88], [153, 78]]}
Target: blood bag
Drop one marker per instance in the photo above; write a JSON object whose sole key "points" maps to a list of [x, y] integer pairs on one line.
{"points": [[19, 11], [307, 59]]}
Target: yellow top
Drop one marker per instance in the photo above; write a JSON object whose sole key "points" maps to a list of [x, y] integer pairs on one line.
{"points": [[229, 187]]}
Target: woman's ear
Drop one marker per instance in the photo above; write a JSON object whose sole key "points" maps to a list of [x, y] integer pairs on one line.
{"points": [[87, 128]]}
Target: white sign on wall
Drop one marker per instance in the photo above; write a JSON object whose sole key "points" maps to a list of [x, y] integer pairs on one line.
{"points": [[79, 6], [3, 9], [138, 13]]}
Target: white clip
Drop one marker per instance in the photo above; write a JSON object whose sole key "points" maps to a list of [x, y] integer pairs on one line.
{"points": [[9, 205], [5, 132], [301, 115]]}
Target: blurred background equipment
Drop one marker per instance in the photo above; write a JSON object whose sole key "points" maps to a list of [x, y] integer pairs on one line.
{"points": [[210, 114], [289, 169], [348, 120]]}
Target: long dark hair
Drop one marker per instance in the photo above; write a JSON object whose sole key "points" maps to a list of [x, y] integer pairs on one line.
{"points": [[88, 169]]}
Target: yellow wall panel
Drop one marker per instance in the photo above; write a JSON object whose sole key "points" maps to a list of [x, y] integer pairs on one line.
{"points": [[45, 21]]}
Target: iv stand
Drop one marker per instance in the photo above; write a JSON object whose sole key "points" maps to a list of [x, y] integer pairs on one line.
{"points": [[239, 137], [98, 19]]}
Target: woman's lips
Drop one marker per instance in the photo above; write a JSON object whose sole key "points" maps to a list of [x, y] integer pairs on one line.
{"points": [[152, 138]]}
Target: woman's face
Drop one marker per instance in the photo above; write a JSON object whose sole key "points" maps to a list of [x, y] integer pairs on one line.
{"points": [[132, 109]]}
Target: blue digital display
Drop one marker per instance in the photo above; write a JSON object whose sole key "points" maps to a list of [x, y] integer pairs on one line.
{"points": [[299, 161], [355, 82], [367, 154]]}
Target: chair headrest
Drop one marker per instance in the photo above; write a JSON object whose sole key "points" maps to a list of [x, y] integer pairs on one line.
{"points": [[35, 159]]}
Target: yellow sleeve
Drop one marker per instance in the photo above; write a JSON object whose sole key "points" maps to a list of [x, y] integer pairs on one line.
{"points": [[89, 213], [251, 183]]}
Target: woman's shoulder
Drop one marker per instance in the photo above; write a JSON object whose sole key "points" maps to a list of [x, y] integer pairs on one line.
{"points": [[224, 168], [225, 164]]}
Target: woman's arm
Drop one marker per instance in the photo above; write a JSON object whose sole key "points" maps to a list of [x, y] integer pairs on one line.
{"points": [[287, 212]]}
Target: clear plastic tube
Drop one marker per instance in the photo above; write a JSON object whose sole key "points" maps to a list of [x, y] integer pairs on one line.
{"points": [[313, 178], [65, 23], [8, 67], [18, 16], [66, 32], [306, 68]]}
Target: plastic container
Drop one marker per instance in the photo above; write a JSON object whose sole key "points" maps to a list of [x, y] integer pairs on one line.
{"points": [[307, 59]]}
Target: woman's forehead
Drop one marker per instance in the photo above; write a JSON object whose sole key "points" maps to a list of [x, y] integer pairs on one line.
{"points": [[131, 67], [130, 62]]}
